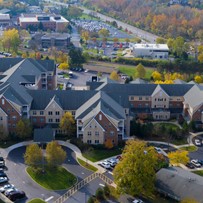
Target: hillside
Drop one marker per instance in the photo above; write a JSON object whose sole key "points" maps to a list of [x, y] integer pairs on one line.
{"points": [[154, 16]]}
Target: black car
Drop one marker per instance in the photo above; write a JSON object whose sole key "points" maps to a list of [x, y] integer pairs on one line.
{"points": [[190, 165], [15, 195]]}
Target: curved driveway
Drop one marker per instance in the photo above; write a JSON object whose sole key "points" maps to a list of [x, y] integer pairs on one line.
{"points": [[18, 176]]}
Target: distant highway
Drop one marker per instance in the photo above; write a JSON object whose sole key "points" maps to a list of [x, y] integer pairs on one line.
{"points": [[149, 37]]}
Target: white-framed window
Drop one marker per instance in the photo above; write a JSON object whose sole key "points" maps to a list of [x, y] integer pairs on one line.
{"points": [[96, 133], [41, 113], [89, 141], [50, 120], [50, 113], [3, 101], [57, 113], [96, 141], [111, 133], [57, 120], [100, 117], [34, 113], [89, 133]]}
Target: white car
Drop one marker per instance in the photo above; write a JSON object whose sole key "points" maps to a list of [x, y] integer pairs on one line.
{"points": [[198, 142], [159, 151], [3, 179], [196, 163], [112, 162], [6, 187], [105, 164], [138, 201]]}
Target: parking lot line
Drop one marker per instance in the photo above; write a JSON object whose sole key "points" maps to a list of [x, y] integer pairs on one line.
{"points": [[48, 199]]}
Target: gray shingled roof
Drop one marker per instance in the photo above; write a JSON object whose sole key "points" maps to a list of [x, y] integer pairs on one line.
{"points": [[69, 100], [139, 81], [179, 183], [100, 102], [194, 97]]}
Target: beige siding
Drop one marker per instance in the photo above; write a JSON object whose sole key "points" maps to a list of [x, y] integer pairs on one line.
{"points": [[94, 128], [160, 100]]}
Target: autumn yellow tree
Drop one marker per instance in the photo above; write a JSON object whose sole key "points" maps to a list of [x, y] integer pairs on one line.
{"points": [[63, 66], [156, 75], [85, 36], [67, 123], [114, 75], [200, 58], [198, 79], [178, 157], [140, 71], [135, 173], [10, 40]]}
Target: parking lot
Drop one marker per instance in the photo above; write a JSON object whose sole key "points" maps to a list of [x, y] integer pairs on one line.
{"points": [[95, 26]]}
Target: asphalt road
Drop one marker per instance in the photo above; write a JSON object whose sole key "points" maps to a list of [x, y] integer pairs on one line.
{"points": [[199, 153], [18, 176]]}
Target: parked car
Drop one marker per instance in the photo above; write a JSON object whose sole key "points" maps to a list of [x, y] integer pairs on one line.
{"points": [[105, 164], [201, 162], [190, 165], [138, 201], [2, 174], [7, 192], [196, 163], [2, 162], [3, 180], [15, 195], [198, 142], [6, 187], [112, 162], [159, 151]]}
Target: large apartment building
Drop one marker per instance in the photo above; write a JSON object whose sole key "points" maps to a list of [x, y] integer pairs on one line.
{"points": [[103, 113]]}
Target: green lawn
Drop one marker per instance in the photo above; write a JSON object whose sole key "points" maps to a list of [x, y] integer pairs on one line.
{"points": [[132, 71], [190, 148], [87, 17], [99, 154], [167, 125], [179, 141], [86, 165], [57, 179], [200, 173], [36, 200]]}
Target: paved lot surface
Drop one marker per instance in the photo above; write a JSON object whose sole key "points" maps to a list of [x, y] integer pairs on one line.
{"points": [[199, 153], [18, 176]]}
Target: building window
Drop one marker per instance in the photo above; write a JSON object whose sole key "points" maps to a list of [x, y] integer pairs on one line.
{"points": [[57, 120], [34, 113], [8, 110], [140, 98], [41, 120], [111, 133], [100, 117], [50, 120], [3, 101], [1, 118], [155, 99], [14, 118], [96, 133], [89, 141], [57, 112], [131, 98], [41, 113], [96, 141], [147, 98], [89, 133], [12, 109], [34, 120], [14, 125], [73, 113], [50, 113]]}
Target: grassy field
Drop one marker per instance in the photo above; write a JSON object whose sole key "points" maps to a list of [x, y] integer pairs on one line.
{"points": [[37, 200], [131, 71], [87, 17], [55, 179], [190, 148], [86, 165], [200, 173], [100, 154]]}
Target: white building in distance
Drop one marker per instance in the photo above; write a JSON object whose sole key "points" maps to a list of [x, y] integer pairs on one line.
{"points": [[155, 51]]}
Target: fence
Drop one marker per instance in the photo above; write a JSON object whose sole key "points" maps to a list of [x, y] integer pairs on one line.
{"points": [[81, 184]]}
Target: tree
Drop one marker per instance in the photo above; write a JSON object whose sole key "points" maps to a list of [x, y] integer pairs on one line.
{"points": [[198, 79], [140, 73], [178, 157], [11, 40], [114, 75], [55, 155], [63, 66], [160, 40], [189, 200], [104, 33], [156, 75], [200, 58], [67, 123], [99, 194], [135, 173], [74, 12], [76, 57], [85, 36], [23, 128], [33, 156], [91, 200], [3, 133]]}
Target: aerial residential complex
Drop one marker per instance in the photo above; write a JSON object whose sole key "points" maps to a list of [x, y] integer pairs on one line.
{"points": [[103, 112], [48, 22]]}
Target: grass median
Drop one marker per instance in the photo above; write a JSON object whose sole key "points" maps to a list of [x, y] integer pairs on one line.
{"points": [[53, 179], [86, 165], [36, 200]]}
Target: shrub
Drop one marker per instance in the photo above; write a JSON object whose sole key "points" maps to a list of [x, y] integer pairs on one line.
{"points": [[99, 194], [106, 191], [90, 200]]}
